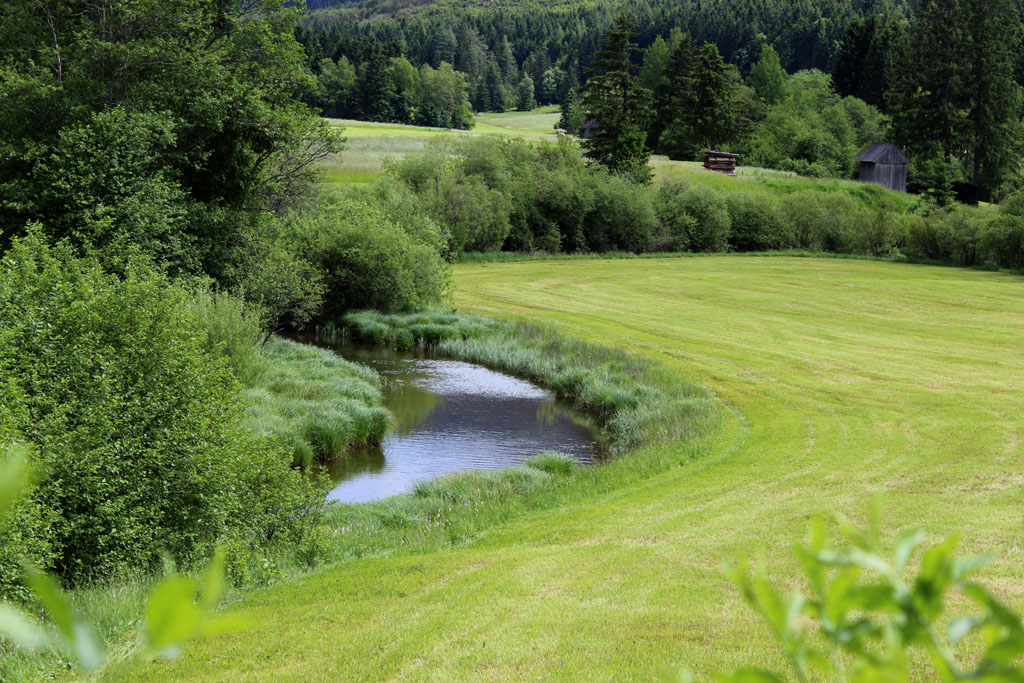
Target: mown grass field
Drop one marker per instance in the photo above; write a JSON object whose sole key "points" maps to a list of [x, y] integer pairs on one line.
{"points": [[840, 379]]}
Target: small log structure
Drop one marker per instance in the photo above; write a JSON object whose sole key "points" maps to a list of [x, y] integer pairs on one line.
{"points": [[721, 162]]}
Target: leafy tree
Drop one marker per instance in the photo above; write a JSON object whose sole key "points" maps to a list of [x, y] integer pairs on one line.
{"points": [[202, 95], [443, 95], [524, 94], [554, 86], [768, 78], [620, 107], [655, 63]]}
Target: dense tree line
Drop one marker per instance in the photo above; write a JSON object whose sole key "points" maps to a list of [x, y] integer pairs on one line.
{"points": [[491, 194], [506, 52]]}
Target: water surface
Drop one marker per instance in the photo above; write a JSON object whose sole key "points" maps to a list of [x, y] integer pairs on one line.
{"points": [[452, 416]]}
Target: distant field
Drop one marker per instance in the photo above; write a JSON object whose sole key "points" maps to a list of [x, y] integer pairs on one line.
{"points": [[369, 144], [840, 379]]}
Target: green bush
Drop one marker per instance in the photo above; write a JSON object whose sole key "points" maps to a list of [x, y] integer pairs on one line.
{"points": [[232, 329], [622, 218], [367, 259], [134, 426], [758, 223], [950, 235], [824, 222], [693, 218], [1002, 243]]}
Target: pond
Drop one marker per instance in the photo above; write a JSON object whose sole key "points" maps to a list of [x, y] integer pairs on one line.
{"points": [[452, 416]]}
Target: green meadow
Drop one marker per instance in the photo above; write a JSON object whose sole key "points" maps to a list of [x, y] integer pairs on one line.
{"points": [[369, 144], [839, 380]]}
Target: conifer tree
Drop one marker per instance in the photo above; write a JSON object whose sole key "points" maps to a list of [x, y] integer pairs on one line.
{"points": [[619, 107], [672, 93], [957, 100]]}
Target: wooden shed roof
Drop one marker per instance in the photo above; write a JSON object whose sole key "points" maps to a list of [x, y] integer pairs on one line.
{"points": [[883, 153]]}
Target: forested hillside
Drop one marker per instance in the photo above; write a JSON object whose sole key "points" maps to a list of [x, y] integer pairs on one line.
{"points": [[569, 32]]}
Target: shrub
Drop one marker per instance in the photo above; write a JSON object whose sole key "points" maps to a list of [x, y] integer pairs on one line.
{"points": [[622, 218], [367, 259], [885, 232], [232, 329], [476, 216], [950, 235], [758, 223], [1002, 242], [823, 222], [134, 427], [693, 218]]}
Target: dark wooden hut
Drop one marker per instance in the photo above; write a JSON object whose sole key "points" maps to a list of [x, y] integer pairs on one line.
{"points": [[723, 162], [884, 164]]}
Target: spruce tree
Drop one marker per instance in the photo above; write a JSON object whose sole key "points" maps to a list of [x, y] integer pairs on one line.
{"points": [[672, 93], [619, 106], [995, 98], [957, 101]]}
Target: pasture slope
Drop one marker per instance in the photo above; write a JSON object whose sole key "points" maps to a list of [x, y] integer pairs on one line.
{"points": [[841, 378]]}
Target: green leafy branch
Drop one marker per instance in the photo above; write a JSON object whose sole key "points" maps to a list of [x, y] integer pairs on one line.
{"points": [[866, 610]]}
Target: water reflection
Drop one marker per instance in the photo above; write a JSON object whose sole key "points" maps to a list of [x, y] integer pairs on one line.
{"points": [[453, 416]]}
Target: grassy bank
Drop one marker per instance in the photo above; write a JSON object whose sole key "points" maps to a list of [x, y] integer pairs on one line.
{"points": [[843, 378], [315, 402], [635, 400]]}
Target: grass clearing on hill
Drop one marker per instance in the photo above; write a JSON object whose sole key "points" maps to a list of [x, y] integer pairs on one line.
{"points": [[369, 144], [841, 379]]}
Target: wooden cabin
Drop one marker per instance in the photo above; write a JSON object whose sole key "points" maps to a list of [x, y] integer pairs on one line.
{"points": [[722, 162], [884, 164]]}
